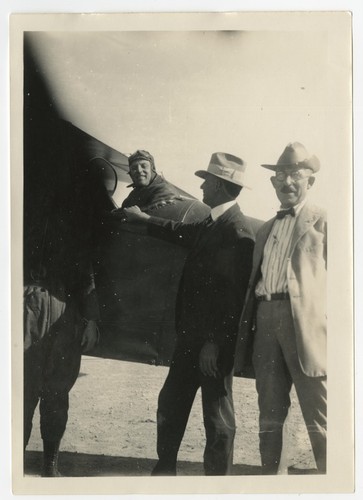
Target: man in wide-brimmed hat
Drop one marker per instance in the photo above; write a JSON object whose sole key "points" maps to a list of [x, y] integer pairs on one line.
{"points": [[283, 327], [209, 303]]}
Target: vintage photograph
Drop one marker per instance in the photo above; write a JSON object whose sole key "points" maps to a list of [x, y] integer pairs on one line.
{"points": [[173, 177]]}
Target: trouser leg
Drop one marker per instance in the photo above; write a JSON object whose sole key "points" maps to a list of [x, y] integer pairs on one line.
{"points": [[60, 373], [174, 405], [273, 384], [32, 387], [219, 423], [53, 416], [312, 395], [313, 402]]}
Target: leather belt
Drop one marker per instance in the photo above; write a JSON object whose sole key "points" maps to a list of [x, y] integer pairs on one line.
{"points": [[274, 296]]}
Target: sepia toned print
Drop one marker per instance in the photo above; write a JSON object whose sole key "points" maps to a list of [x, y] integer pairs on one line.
{"points": [[175, 94]]}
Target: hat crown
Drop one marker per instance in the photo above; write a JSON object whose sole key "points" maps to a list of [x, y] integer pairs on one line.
{"points": [[295, 155], [225, 166], [226, 160]]}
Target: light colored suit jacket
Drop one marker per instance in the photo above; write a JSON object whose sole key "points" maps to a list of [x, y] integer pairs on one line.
{"points": [[306, 273]]}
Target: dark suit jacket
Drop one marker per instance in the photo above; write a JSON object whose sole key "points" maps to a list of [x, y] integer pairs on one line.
{"points": [[215, 275]]}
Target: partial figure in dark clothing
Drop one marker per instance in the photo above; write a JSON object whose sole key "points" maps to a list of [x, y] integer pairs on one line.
{"points": [[150, 190], [60, 323], [210, 296]]}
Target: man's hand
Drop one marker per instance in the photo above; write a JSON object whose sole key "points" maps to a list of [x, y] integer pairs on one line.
{"points": [[208, 359], [90, 336], [134, 214]]}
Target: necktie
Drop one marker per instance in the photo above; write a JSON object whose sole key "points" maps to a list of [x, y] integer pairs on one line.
{"points": [[208, 221], [281, 213]]}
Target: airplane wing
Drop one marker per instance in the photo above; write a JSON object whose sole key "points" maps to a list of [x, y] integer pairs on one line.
{"points": [[72, 181]]}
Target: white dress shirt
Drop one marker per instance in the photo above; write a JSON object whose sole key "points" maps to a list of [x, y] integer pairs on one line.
{"points": [[220, 209], [276, 254]]}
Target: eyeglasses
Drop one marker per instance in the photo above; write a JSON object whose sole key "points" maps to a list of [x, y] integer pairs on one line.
{"points": [[295, 175]]}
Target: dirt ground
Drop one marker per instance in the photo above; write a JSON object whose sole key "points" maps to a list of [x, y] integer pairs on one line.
{"points": [[111, 429]]}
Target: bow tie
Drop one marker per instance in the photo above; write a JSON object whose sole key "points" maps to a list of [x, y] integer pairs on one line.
{"points": [[281, 213]]}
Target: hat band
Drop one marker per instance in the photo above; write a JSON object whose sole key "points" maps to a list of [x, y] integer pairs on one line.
{"points": [[292, 163], [226, 172]]}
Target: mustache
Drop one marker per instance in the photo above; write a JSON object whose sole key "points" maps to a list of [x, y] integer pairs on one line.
{"points": [[287, 190]]}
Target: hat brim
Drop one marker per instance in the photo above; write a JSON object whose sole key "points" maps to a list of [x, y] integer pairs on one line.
{"points": [[203, 174], [313, 164], [270, 167]]}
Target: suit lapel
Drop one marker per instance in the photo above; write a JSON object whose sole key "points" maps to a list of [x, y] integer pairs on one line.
{"points": [[304, 220]]}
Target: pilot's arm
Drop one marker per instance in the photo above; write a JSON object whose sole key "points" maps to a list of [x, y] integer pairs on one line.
{"points": [[134, 214], [169, 230]]}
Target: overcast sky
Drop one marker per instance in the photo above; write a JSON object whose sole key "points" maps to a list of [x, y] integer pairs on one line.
{"points": [[183, 95]]}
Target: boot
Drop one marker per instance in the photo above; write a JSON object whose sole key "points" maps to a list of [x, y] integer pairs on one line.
{"points": [[164, 469], [50, 459]]}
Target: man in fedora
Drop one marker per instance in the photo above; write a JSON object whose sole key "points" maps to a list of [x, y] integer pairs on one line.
{"points": [[283, 327], [209, 303]]}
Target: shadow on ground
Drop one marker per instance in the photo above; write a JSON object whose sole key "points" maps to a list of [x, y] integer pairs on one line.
{"points": [[84, 465]]}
